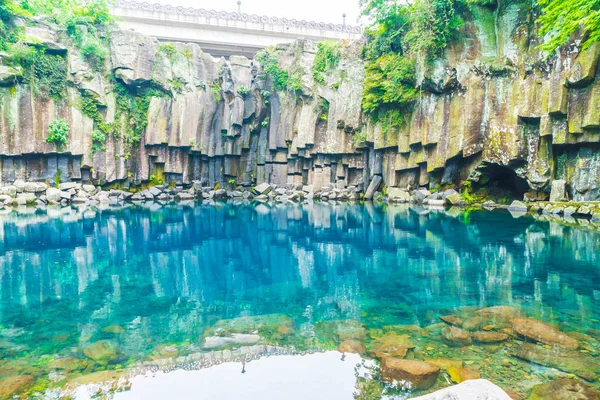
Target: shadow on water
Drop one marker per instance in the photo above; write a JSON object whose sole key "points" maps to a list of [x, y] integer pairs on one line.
{"points": [[167, 282]]}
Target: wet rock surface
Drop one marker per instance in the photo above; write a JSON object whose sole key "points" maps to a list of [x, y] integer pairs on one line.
{"points": [[543, 333], [419, 374], [564, 389]]}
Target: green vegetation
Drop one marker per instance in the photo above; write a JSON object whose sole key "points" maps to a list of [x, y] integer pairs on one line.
{"points": [[322, 110], [327, 59], [95, 52], [359, 138], [560, 19], [168, 50], [269, 60], [281, 79], [58, 133], [134, 104], [216, 90], [243, 91], [389, 86], [98, 141], [45, 73]]}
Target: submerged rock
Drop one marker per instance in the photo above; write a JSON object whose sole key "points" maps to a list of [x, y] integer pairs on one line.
{"points": [[543, 333], [452, 320], [456, 336], [564, 389], [564, 360], [489, 337], [445, 364], [473, 323], [13, 385], [420, 374], [69, 364], [103, 351], [114, 329], [212, 342], [499, 316], [459, 375], [352, 346]]}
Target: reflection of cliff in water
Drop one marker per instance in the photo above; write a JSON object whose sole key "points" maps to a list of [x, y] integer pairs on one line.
{"points": [[177, 269]]}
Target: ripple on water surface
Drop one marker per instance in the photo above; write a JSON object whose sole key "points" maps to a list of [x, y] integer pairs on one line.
{"points": [[90, 296]]}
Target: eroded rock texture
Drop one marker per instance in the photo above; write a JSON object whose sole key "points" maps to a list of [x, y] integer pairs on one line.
{"points": [[492, 110]]}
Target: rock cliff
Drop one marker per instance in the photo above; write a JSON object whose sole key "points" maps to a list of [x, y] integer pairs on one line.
{"points": [[492, 110]]}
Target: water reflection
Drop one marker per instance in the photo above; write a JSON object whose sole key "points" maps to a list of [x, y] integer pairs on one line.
{"points": [[144, 276]]}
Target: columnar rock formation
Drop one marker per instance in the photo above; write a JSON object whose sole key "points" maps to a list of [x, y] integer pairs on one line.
{"points": [[492, 110]]}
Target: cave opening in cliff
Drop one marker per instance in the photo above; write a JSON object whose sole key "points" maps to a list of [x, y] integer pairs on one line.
{"points": [[502, 181]]}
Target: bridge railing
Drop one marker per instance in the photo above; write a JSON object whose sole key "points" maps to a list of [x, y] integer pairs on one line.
{"points": [[238, 17]]}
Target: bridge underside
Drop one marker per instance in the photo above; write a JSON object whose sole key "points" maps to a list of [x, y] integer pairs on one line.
{"points": [[223, 36]]}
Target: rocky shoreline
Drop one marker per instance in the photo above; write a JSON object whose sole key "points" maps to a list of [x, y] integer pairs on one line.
{"points": [[40, 194]]}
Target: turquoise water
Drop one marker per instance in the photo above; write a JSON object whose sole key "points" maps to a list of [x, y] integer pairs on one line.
{"points": [[157, 282]]}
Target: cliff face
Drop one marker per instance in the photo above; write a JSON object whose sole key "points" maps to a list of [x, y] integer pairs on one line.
{"points": [[492, 110]]}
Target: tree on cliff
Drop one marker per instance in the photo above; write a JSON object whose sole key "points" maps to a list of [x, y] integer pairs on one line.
{"points": [[560, 19]]}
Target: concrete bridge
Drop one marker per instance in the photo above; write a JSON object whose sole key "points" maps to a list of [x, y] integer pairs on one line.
{"points": [[223, 33]]}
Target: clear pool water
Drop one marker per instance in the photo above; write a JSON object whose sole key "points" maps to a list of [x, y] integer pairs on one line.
{"points": [[120, 289]]}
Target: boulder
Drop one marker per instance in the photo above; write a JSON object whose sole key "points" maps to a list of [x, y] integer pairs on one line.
{"points": [[9, 190], [263, 189], [517, 206], [69, 185], [540, 332], [557, 193], [564, 389], [373, 186], [154, 191], [397, 195], [184, 196], [456, 337], [25, 198], [454, 199], [53, 195], [352, 346], [479, 389], [421, 375]]}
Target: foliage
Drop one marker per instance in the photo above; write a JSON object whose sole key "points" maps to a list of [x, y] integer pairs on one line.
{"points": [[216, 90], [323, 109], [281, 79], [168, 50], [432, 25], [389, 83], [243, 91], [269, 61], [560, 19], [134, 104], [327, 59], [359, 138], [10, 34], [58, 133], [98, 141], [45, 73], [95, 52]]}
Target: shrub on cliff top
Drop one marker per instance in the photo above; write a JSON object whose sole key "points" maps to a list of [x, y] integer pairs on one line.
{"points": [[327, 59]]}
